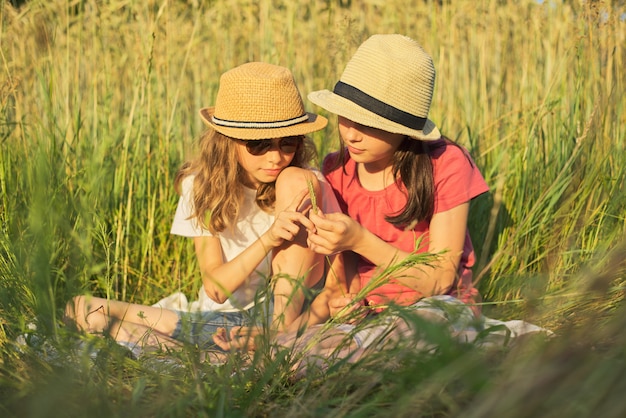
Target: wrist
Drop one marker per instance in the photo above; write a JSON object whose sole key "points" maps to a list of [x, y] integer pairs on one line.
{"points": [[360, 238], [266, 242]]}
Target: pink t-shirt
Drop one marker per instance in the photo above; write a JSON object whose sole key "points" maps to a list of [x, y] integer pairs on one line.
{"points": [[457, 180]]}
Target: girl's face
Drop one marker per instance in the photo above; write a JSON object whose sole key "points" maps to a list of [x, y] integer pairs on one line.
{"points": [[369, 146], [264, 159]]}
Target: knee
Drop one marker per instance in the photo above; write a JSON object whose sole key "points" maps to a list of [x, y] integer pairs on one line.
{"points": [[292, 180], [295, 178]]}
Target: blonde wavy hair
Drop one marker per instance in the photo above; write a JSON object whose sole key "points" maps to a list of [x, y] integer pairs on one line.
{"points": [[219, 180]]}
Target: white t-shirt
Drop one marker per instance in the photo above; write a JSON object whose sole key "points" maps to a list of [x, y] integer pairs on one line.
{"points": [[253, 222]]}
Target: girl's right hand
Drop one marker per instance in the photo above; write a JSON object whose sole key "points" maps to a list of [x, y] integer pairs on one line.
{"points": [[287, 223], [333, 233]]}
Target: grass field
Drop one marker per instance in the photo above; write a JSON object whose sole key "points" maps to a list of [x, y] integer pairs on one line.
{"points": [[99, 107]]}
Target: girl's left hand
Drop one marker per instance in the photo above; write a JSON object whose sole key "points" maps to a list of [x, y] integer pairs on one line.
{"points": [[239, 338]]}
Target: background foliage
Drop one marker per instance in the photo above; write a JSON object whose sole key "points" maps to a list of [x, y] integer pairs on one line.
{"points": [[98, 109]]}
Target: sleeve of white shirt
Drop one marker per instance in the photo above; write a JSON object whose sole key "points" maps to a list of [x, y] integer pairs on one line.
{"points": [[185, 223]]}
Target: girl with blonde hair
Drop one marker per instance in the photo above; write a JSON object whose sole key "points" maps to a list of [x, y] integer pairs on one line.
{"points": [[243, 200]]}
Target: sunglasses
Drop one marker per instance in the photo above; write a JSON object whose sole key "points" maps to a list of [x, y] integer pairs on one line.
{"points": [[287, 145]]}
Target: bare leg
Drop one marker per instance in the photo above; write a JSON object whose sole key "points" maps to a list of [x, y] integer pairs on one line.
{"points": [[121, 320], [294, 264], [142, 336]]}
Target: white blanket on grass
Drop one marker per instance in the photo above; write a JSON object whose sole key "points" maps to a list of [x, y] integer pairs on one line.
{"points": [[324, 343], [422, 327]]}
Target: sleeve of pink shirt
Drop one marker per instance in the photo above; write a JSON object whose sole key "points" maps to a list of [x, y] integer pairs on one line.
{"points": [[457, 178]]}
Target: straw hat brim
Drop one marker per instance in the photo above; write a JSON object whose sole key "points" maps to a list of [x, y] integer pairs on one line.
{"points": [[349, 110], [314, 123]]}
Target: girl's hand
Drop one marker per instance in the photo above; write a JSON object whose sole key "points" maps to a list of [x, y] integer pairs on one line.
{"points": [[333, 233], [344, 309], [288, 223], [239, 338]]}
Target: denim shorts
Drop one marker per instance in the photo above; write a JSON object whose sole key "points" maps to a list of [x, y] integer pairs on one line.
{"points": [[197, 328]]}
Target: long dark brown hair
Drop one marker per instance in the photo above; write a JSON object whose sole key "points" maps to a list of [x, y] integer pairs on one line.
{"points": [[219, 180], [412, 166]]}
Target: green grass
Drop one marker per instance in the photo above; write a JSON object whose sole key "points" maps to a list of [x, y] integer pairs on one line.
{"points": [[99, 107]]}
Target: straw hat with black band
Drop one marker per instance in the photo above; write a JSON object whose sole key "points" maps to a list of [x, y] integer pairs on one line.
{"points": [[388, 84], [260, 101]]}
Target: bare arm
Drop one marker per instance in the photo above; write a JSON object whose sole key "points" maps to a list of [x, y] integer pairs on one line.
{"points": [[221, 278], [338, 232]]}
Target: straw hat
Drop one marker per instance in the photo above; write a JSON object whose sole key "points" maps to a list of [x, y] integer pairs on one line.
{"points": [[388, 84], [259, 101]]}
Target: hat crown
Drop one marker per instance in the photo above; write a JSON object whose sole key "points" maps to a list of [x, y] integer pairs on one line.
{"points": [[258, 92], [388, 84], [384, 65], [258, 100]]}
